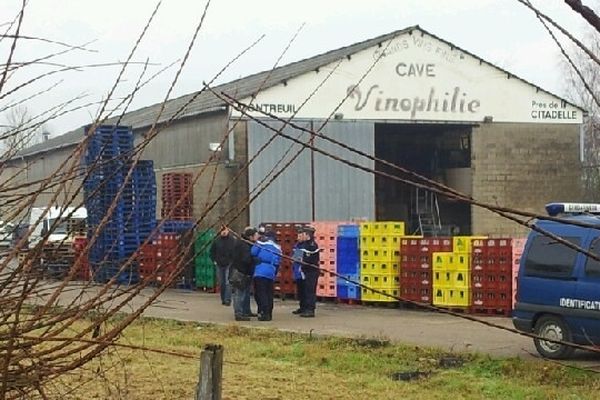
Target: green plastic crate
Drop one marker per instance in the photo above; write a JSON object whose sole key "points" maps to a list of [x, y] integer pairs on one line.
{"points": [[206, 276]]}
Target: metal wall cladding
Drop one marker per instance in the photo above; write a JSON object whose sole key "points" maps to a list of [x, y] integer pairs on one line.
{"points": [[288, 197], [340, 191], [343, 192], [186, 142]]}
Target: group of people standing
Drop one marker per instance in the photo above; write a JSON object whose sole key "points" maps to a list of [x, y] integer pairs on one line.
{"points": [[251, 262]]}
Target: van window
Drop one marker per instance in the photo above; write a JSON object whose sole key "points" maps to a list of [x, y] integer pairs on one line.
{"points": [[592, 267], [548, 258]]}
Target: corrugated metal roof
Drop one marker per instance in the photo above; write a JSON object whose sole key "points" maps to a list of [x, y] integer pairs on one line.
{"points": [[239, 88]]}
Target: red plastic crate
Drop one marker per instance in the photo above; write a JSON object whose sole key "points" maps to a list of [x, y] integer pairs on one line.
{"points": [[414, 277], [83, 272], [500, 262], [492, 281], [491, 299], [417, 294]]}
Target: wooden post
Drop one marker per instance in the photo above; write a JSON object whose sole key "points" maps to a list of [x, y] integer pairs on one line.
{"points": [[211, 372]]}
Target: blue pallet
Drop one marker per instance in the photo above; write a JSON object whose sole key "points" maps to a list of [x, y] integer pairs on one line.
{"points": [[350, 231]]}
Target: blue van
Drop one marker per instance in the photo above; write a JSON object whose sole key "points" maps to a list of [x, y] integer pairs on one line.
{"points": [[558, 288]]}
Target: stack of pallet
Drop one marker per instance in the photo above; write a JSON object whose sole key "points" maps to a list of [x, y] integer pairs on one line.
{"points": [[177, 196], [108, 181], [348, 262], [492, 275], [57, 259], [380, 260]]}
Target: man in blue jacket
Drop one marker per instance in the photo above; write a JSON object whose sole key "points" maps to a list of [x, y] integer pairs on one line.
{"points": [[306, 271], [268, 255]]}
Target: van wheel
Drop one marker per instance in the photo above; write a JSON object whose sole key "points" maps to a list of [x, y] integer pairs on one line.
{"points": [[551, 327]]}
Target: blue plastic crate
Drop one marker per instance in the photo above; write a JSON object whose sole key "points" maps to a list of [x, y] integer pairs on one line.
{"points": [[348, 292], [348, 268], [351, 231], [354, 277]]}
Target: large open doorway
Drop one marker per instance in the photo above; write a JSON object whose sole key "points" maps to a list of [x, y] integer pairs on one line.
{"points": [[438, 151]]}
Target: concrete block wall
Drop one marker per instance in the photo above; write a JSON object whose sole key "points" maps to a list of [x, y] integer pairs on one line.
{"points": [[522, 166]]}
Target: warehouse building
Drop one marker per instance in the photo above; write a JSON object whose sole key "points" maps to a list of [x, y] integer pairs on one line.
{"points": [[409, 98]]}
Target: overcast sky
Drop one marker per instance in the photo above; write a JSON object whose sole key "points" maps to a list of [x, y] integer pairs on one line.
{"points": [[503, 32]]}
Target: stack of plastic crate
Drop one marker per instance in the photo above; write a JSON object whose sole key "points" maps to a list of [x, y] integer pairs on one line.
{"points": [[326, 237], [380, 260], [148, 261], [204, 269], [286, 236], [451, 279], [518, 246], [416, 277], [177, 196], [492, 270], [83, 271], [132, 218], [348, 262]]}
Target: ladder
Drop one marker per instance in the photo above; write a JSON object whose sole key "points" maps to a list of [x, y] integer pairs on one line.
{"points": [[427, 212]]}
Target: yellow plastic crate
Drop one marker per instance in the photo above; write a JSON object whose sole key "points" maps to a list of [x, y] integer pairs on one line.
{"points": [[380, 281], [369, 241], [391, 228], [380, 268], [443, 261], [390, 242], [464, 244], [442, 279], [379, 254], [461, 262], [458, 297], [387, 255], [439, 297], [460, 279], [369, 295], [366, 228], [451, 297], [368, 254]]}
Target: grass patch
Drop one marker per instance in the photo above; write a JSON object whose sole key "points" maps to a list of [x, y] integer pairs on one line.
{"points": [[268, 364]]}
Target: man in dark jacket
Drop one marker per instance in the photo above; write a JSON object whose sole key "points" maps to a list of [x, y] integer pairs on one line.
{"points": [[309, 270], [240, 276], [221, 252]]}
